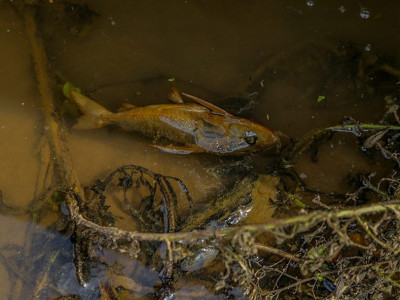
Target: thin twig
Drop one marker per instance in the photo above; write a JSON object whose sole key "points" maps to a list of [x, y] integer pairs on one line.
{"points": [[325, 274], [367, 229], [277, 252], [365, 127]]}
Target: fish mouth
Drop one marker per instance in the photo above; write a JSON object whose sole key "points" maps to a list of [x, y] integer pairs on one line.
{"points": [[274, 143], [277, 142]]}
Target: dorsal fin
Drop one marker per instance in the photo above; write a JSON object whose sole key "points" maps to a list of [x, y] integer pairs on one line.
{"points": [[125, 107], [215, 109], [173, 94]]}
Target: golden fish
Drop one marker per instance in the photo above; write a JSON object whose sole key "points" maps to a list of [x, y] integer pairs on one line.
{"points": [[182, 128]]}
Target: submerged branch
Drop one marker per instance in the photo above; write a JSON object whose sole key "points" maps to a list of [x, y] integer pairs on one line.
{"points": [[310, 219], [54, 129], [365, 127], [307, 140]]}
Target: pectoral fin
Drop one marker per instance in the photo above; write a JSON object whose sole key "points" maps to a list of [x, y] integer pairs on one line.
{"points": [[174, 149], [187, 126]]}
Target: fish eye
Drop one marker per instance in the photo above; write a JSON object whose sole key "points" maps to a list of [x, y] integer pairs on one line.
{"points": [[250, 138]]}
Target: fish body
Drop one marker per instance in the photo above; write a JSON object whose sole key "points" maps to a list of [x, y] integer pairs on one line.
{"points": [[182, 128]]}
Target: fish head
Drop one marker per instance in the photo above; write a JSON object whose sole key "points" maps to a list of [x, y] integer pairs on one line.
{"points": [[251, 137], [229, 135]]}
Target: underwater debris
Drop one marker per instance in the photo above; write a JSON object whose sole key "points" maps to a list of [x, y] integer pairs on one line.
{"points": [[319, 243], [148, 185], [343, 252]]}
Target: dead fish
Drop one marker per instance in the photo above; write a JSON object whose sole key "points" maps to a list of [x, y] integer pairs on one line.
{"points": [[199, 127]]}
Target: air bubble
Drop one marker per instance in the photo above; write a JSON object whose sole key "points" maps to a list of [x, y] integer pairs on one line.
{"points": [[364, 13], [310, 3]]}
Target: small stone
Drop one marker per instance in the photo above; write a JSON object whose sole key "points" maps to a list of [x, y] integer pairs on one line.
{"points": [[303, 176]]}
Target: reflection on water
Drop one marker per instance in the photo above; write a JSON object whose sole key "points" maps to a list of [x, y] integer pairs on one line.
{"points": [[50, 255], [289, 53]]}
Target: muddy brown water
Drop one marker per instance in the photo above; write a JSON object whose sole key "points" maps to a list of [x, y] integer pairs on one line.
{"points": [[214, 49]]}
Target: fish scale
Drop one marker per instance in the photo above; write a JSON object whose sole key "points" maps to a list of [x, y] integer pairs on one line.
{"points": [[173, 123]]}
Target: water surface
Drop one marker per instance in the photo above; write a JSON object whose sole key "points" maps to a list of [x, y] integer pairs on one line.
{"points": [[288, 52]]}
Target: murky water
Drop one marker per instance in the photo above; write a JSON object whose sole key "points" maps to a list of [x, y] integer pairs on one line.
{"points": [[289, 52]]}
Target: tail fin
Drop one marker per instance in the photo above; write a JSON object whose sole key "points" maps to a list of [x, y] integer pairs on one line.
{"points": [[93, 113]]}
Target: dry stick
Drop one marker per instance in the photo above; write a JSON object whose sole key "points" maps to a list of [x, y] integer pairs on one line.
{"points": [[277, 252]]}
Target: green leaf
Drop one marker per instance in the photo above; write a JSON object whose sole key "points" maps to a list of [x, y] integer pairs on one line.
{"points": [[298, 202], [68, 87], [325, 267], [320, 278], [321, 98]]}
